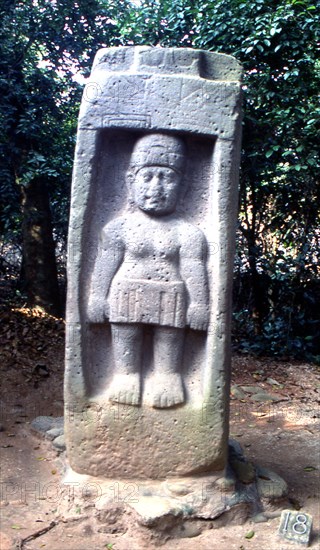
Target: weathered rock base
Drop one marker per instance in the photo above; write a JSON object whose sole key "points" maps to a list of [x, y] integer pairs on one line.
{"points": [[178, 507]]}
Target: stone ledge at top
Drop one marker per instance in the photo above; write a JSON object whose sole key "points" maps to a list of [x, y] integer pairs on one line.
{"points": [[153, 59]]}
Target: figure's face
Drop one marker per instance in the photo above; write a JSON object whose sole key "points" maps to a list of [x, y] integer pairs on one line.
{"points": [[156, 189]]}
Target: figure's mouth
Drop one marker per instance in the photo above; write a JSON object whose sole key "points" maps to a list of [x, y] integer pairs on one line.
{"points": [[151, 198]]}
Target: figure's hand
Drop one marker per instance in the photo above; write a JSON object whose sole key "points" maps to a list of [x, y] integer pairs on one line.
{"points": [[198, 316], [95, 310]]}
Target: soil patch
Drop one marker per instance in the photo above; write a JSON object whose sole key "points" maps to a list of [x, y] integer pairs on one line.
{"points": [[274, 416]]}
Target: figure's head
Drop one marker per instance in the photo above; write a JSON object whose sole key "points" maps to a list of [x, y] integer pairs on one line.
{"points": [[157, 164]]}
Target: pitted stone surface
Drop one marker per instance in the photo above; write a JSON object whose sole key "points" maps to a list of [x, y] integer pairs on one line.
{"points": [[151, 242]]}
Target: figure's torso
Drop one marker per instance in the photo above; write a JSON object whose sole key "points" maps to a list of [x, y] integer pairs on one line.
{"points": [[148, 287], [151, 248]]}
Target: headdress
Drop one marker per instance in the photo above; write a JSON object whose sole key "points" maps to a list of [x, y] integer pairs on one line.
{"points": [[159, 149]]}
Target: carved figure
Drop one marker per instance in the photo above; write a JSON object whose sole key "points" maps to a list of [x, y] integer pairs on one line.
{"points": [[151, 271]]}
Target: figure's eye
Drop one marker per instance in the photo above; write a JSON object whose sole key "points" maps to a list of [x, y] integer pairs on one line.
{"points": [[147, 176], [169, 176]]}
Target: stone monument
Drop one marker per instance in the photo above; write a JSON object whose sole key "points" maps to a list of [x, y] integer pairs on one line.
{"points": [[151, 244]]}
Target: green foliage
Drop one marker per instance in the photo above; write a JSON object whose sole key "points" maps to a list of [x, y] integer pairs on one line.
{"points": [[278, 240], [43, 43]]}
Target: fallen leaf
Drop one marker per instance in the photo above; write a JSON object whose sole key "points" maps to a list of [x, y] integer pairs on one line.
{"points": [[273, 382], [310, 469], [249, 535], [16, 527]]}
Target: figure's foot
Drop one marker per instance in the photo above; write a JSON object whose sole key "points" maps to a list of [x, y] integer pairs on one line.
{"points": [[125, 388], [168, 391]]}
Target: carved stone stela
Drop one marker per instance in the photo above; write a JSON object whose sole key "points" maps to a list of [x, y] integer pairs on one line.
{"points": [[150, 271], [150, 264]]}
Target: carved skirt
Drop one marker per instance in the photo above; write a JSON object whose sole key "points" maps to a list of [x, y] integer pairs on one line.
{"points": [[150, 302]]}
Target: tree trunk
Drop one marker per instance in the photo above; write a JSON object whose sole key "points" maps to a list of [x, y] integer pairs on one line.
{"points": [[39, 269]]}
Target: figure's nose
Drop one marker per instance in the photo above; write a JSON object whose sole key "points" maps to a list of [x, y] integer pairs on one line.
{"points": [[156, 183]]}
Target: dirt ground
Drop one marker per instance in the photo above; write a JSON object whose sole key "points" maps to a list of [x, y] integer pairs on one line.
{"points": [[274, 415]]}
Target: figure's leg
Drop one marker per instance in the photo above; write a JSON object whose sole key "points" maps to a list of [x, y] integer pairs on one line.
{"points": [[168, 351], [127, 346]]}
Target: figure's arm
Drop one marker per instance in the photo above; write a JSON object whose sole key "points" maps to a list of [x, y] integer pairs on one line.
{"points": [[108, 261], [194, 273]]}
